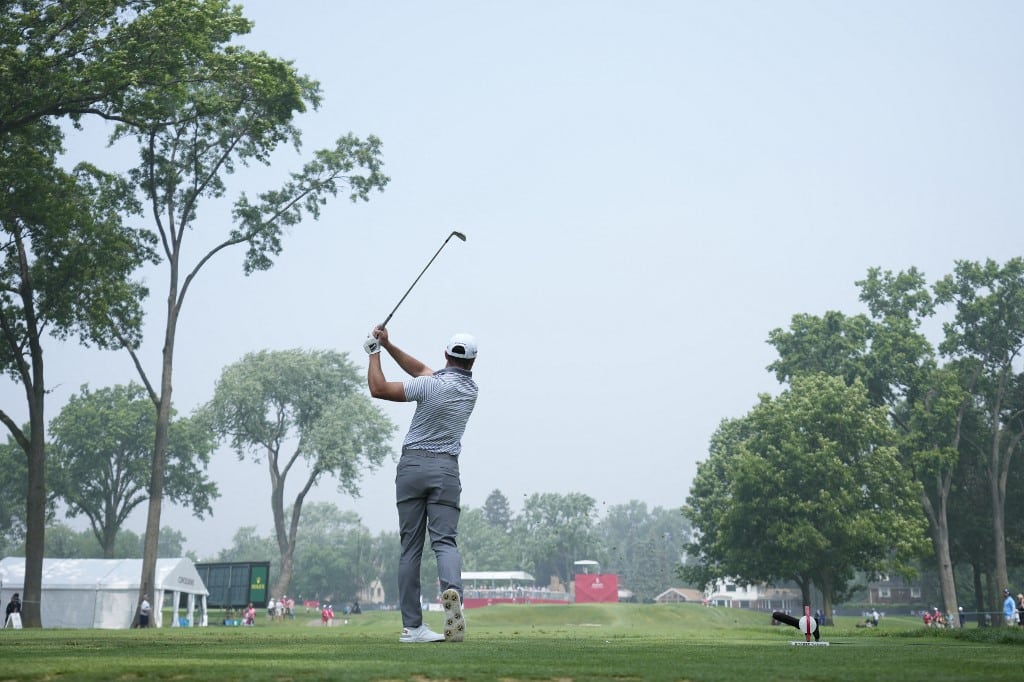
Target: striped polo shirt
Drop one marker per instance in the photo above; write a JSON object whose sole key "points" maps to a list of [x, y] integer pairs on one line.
{"points": [[444, 402]]}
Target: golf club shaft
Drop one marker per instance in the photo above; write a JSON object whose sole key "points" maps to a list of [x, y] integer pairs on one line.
{"points": [[391, 314]]}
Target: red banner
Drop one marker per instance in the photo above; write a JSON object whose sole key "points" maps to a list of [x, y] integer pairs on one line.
{"points": [[597, 587]]}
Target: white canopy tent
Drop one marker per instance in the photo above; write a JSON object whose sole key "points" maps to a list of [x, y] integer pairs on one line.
{"points": [[104, 593]]}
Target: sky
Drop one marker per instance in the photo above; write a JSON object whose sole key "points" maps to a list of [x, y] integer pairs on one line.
{"points": [[647, 190]]}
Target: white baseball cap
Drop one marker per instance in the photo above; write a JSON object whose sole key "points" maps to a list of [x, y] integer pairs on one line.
{"points": [[462, 346]]}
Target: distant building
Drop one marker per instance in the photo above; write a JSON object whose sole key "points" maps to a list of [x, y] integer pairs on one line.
{"points": [[893, 590], [372, 593], [731, 594], [680, 595]]}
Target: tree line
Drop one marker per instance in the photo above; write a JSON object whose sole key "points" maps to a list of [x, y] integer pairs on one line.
{"points": [[336, 556], [882, 448]]}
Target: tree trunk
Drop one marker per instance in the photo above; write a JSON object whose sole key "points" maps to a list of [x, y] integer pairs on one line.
{"points": [[158, 464], [938, 525], [35, 503], [826, 595], [35, 518], [979, 592], [805, 593], [998, 490], [999, 466], [1004, 445]]}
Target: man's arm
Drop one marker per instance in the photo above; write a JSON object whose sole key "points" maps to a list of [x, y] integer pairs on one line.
{"points": [[411, 365], [381, 387]]}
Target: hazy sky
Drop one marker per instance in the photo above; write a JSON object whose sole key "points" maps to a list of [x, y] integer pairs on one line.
{"points": [[648, 188]]}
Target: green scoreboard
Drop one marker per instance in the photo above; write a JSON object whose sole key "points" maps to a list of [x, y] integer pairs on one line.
{"points": [[235, 584]]}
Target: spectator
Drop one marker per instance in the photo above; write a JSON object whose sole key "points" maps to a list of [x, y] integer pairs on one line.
{"points": [[1020, 609], [250, 614], [144, 609], [13, 606], [1009, 609]]}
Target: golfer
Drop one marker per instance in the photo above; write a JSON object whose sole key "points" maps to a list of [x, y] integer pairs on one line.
{"points": [[427, 485]]}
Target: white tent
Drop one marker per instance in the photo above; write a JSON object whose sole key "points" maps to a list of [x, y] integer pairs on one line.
{"points": [[104, 593]]}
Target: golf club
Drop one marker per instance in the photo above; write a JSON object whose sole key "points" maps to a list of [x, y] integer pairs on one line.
{"points": [[453, 234]]}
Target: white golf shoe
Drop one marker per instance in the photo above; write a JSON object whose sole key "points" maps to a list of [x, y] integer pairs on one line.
{"points": [[420, 634]]}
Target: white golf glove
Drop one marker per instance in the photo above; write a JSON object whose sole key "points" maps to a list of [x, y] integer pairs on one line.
{"points": [[371, 345]]}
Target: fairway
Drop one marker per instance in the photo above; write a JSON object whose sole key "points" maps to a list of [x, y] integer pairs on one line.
{"points": [[564, 643]]}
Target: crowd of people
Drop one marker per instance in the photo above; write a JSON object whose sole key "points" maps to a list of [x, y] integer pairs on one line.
{"points": [[934, 618], [279, 609], [1013, 614]]}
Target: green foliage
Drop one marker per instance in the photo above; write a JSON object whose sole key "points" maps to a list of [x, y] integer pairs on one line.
{"points": [[100, 457], [313, 401], [554, 531], [104, 57], [63, 542], [497, 511], [198, 106], [67, 268], [808, 487], [300, 407], [486, 547], [14, 477]]}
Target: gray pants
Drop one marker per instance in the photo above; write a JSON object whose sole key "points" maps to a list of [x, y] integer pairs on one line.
{"points": [[427, 490]]}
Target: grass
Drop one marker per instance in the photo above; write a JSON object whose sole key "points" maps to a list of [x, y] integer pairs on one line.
{"points": [[613, 642]]}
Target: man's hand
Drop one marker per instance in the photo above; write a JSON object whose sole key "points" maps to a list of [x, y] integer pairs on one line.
{"points": [[373, 343]]}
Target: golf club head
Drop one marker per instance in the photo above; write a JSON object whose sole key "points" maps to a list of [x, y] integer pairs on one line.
{"points": [[459, 235]]}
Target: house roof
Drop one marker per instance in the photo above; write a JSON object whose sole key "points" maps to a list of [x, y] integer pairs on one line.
{"points": [[685, 593]]}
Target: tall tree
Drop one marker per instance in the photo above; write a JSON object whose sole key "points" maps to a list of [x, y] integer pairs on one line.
{"points": [[190, 138], [286, 408], [497, 511], [890, 355], [812, 493], [927, 402], [101, 446], [64, 270], [554, 531], [987, 332], [485, 546]]}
